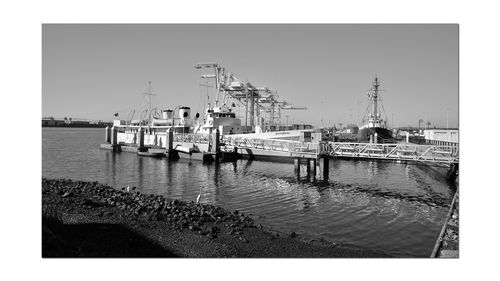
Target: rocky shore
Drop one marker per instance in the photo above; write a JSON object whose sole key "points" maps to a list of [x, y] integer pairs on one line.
{"points": [[90, 219], [449, 242]]}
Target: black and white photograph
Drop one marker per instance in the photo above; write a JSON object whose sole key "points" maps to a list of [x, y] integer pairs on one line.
{"points": [[250, 140]]}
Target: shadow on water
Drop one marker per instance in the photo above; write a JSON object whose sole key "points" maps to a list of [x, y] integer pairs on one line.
{"points": [[94, 240]]}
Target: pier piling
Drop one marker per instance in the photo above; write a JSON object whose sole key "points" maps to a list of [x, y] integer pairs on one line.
{"points": [[108, 134], [215, 147], [140, 138], [296, 164], [324, 167], [311, 165], [114, 136], [308, 168], [169, 144]]}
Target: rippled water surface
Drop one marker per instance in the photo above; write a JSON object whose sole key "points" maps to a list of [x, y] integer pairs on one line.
{"points": [[395, 208]]}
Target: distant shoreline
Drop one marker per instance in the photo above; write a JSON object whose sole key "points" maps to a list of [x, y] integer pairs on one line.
{"points": [[77, 126]]}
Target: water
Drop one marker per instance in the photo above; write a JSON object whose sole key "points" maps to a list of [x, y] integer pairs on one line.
{"points": [[395, 208]]}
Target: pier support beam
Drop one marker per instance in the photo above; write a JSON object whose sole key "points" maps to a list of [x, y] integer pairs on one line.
{"points": [[311, 169], [140, 138], [375, 138], [407, 137], [296, 167], [215, 143], [371, 138], [308, 168], [169, 144], [324, 163], [108, 134], [114, 135]]}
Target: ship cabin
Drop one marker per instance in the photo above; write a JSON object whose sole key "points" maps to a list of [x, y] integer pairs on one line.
{"points": [[223, 119]]}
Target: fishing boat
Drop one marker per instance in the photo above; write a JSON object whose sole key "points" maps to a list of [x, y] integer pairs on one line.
{"points": [[374, 127]]}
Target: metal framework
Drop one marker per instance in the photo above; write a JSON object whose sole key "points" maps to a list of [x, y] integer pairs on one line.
{"points": [[401, 151], [258, 102], [305, 148]]}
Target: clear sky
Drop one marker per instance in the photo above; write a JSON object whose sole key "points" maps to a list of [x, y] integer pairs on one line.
{"points": [[93, 71]]}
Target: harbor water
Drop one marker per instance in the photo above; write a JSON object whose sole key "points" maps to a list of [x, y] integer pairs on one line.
{"points": [[395, 208]]}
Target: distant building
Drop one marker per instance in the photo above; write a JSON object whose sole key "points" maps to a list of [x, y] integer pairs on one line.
{"points": [[302, 126], [441, 136], [50, 121]]}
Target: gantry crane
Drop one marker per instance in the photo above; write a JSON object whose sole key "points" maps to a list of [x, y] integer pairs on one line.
{"points": [[255, 100]]}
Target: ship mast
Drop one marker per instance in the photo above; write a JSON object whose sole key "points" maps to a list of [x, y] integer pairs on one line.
{"points": [[375, 97]]}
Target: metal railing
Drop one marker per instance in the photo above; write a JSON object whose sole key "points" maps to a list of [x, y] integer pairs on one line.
{"points": [[272, 144], [192, 138], [401, 151]]}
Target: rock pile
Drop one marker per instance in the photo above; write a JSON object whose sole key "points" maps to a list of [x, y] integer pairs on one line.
{"points": [[202, 218]]}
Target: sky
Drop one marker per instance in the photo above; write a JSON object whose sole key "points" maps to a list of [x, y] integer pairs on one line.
{"points": [[93, 71]]}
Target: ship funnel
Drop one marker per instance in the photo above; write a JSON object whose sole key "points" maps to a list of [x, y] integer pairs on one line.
{"points": [[184, 114], [166, 114]]}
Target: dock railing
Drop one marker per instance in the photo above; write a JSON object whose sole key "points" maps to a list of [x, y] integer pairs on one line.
{"points": [[192, 138], [398, 151], [272, 144]]}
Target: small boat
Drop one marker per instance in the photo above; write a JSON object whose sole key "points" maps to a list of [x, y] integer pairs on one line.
{"points": [[189, 150]]}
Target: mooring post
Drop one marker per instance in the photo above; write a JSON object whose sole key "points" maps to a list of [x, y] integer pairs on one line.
{"points": [[296, 164], [108, 134], [140, 138], [114, 136]]}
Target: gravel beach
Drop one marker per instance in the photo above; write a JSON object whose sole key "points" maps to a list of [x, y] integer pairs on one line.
{"points": [[90, 219]]}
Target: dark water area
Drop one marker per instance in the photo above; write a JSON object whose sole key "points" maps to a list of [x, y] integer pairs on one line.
{"points": [[395, 208]]}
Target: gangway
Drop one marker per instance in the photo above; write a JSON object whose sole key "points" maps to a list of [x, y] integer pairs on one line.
{"points": [[395, 151]]}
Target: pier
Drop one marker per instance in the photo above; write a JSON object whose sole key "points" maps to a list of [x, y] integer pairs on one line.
{"points": [[160, 141]]}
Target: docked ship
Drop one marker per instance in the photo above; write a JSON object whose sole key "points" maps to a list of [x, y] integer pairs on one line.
{"points": [[374, 128]]}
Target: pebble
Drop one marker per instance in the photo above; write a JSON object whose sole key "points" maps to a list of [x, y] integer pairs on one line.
{"points": [[67, 194]]}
